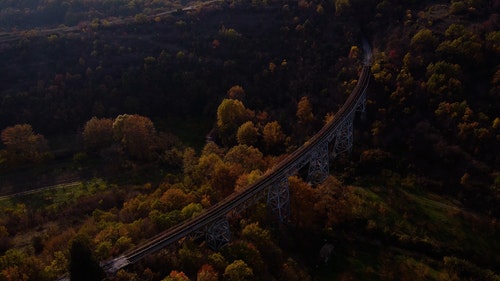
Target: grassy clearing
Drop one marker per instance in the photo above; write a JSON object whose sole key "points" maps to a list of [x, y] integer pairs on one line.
{"points": [[408, 234], [54, 195]]}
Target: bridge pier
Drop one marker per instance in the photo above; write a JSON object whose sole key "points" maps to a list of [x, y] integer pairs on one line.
{"points": [[218, 234], [319, 164], [278, 199], [361, 104], [344, 136]]}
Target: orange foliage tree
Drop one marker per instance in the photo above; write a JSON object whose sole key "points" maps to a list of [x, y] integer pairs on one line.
{"points": [[136, 134], [22, 145], [98, 133]]}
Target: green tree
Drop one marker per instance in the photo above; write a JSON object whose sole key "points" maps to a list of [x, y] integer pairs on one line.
{"points": [[261, 238], [122, 244], [123, 275], [231, 114], [493, 41], [58, 266], [458, 8], [444, 79], [191, 210], [149, 62], [218, 261], [462, 45], [141, 18], [423, 40], [229, 33]]}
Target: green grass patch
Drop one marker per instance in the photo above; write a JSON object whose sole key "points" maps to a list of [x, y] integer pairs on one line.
{"points": [[434, 221], [54, 196]]}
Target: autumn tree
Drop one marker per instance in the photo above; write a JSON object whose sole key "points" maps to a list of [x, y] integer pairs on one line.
{"points": [[247, 179], [98, 133], [136, 134], [236, 92], [292, 271], [302, 198], [4, 239], [207, 164], [207, 273], [175, 199], [18, 266], [190, 164], [176, 276], [22, 145], [238, 271], [304, 111], [261, 238], [274, 138], [212, 147], [423, 40], [123, 275], [218, 261], [331, 202], [305, 117], [249, 254], [249, 157], [247, 134]]}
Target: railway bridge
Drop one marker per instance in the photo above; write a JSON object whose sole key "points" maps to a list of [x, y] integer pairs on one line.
{"points": [[334, 138]]}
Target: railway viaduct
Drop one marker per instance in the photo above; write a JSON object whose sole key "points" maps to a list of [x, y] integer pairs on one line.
{"points": [[334, 138]]}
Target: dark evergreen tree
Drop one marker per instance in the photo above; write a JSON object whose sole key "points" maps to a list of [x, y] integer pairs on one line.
{"points": [[82, 265]]}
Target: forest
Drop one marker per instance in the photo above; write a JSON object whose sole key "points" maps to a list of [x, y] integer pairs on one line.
{"points": [[121, 119]]}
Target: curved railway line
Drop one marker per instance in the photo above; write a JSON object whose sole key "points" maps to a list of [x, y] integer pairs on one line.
{"points": [[337, 131]]}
